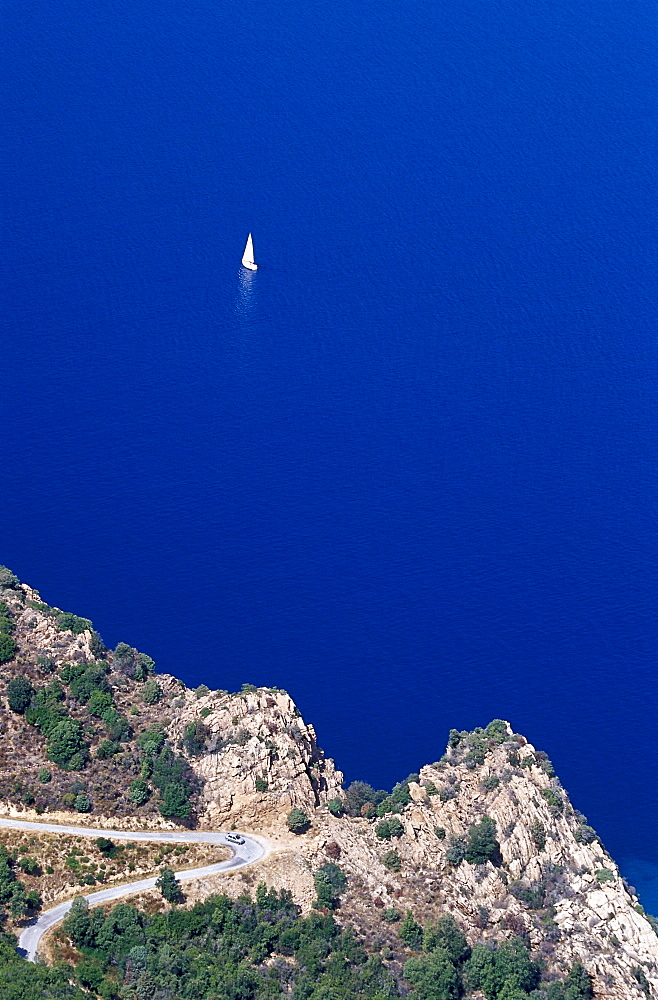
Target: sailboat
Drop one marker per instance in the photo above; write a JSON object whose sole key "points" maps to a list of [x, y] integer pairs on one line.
{"points": [[248, 255]]}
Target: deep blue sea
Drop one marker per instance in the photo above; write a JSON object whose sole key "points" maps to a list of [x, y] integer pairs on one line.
{"points": [[407, 470]]}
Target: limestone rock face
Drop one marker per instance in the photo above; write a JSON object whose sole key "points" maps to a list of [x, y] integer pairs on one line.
{"points": [[256, 736], [565, 895]]}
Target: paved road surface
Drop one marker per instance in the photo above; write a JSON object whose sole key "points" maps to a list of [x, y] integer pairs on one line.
{"points": [[243, 854]]}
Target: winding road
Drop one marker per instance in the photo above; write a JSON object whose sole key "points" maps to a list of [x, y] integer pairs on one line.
{"points": [[253, 849]]}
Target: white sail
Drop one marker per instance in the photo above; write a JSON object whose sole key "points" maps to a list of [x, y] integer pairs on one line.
{"points": [[248, 255]]}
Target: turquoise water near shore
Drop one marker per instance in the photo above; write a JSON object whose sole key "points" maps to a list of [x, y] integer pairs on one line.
{"points": [[407, 469]]}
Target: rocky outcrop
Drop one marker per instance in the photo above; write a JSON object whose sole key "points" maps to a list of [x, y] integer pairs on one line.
{"points": [[547, 876], [264, 759], [565, 895]]}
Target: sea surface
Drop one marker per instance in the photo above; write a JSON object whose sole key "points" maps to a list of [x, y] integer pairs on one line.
{"points": [[407, 470]]}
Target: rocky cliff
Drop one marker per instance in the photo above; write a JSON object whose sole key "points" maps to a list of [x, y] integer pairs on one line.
{"points": [[486, 833]]}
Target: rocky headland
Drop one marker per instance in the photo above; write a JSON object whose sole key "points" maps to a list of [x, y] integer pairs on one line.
{"points": [[486, 833]]}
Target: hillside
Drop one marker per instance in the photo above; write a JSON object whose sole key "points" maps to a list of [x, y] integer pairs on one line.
{"points": [[486, 834]]}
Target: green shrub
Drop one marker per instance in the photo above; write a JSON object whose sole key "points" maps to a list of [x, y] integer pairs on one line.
{"points": [[446, 934], [410, 931], [151, 693], [66, 744], [335, 807], [44, 711], [139, 792], [604, 875], [261, 784], [554, 800], [29, 865], [105, 846], [578, 984], [19, 692], [482, 845], [107, 749], [118, 727], [202, 691], [356, 795], [538, 834], [490, 783], [205, 712], [391, 915], [195, 737], [297, 821], [330, 880], [533, 895], [440, 832], [175, 802], [8, 579], [456, 850], [66, 622], [433, 977], [83, 803], [152, 741], [147, 662], [640, 977], [99, 702], [168, 886], [392, 861], [430, 788], [584, 834], [7, 623], [388, 828], [85, 682], [44, 775], [496, 968]]}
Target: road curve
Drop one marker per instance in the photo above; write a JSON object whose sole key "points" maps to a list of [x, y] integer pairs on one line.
{"points": [[253, 849]]}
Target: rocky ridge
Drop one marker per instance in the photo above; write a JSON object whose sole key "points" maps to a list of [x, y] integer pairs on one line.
{"points": [[551, 880]]}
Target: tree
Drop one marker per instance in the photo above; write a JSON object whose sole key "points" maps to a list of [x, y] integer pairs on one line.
{"points": [[388, 828], [491, 968], [356, 796], [175, 801], [139, 792], [152, 741], [65, 743], [8, 579], [168, 886], [578, 984], [99, 702], [445, 933], [66, 622], [8, 648], [392, 861], [298, 821], [335, 807], [410, 931], [482, 845], [151, 693], [433, 976], [330, 880], [83, 803], [195, 737], [19, 693], [7, 623]]}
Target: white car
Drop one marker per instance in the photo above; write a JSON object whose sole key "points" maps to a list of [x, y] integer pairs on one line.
{"points": [[234, 838]]}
